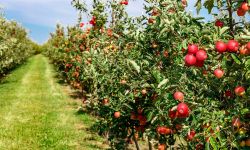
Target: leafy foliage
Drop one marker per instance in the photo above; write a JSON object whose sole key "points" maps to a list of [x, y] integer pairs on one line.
{"points": [[15, 47], [135, 65]]}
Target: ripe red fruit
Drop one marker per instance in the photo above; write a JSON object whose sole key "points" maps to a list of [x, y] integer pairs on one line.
{"points": [[81, 24], [190, 60], [162, 147], [124, 2], [142, 119], [244, 51], [184, 3], [219, 23], [93, 21], [105, 101], [151, 20], [155, 12], [182, 110], [144, 92], [191, 135], [236, 122], [199, 63], [239, 90], [172, 114], [179, 96], [117, 114], [164, 130], [221, 46], [199, 147], [248, 46], [244, 6], [232, 46], [201, 55], [133, 116], [241, 12], [109, 32], [228, 94], [165, 53], [192, 49], [218, 73]]}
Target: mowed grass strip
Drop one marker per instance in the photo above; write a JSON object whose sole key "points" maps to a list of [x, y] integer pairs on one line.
{"points": [[35, 113]]}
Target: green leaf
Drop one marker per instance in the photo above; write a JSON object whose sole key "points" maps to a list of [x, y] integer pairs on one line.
{"points": [[162, 83], [246, 37], [150, 115], [135, 65], [219, 3], [198, 6], [213, 143], [207, 146], [247, 62], [223, 30], [209, 4], [236, 59], [157, 75]]}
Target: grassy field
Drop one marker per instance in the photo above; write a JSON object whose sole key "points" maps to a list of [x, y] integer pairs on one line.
{"points": [[36, 112]]}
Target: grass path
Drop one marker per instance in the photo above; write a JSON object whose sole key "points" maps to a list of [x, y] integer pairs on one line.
{"points": [[35, 112]]}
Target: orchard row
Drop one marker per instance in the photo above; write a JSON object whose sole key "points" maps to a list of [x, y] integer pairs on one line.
{"points": [[167, 77], [15, 47]]}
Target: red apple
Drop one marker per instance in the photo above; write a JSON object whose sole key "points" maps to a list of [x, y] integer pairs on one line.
{"points": [[244, 6], [144, 92], [151, 20], [179, 96], [199, 146], [201, 55], [191, 135], [221, 46], [125, 2], [241, 12], [192, 48], [228, 94], [81, 24], [162, 147], [232, 46], [190, 60], [105, 101], [142, 119], [218, 73], [164, 130], [219, 23], [182, 110], [117, 114], [199, 63], [172, 114], [236, 122], [239, 90], [248, 46], [244, 51]]}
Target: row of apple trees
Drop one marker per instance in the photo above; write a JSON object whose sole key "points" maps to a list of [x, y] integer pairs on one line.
{"points": [[165, 77], [15, 46]]}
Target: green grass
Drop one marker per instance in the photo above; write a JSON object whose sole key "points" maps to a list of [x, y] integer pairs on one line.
{"points": [[36, 112]]}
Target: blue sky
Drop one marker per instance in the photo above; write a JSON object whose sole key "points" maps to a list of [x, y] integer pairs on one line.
{"points": [[40, 17]]}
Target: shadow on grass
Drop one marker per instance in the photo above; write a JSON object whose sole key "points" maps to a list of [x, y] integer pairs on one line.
{"points": [[87, 116]]}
